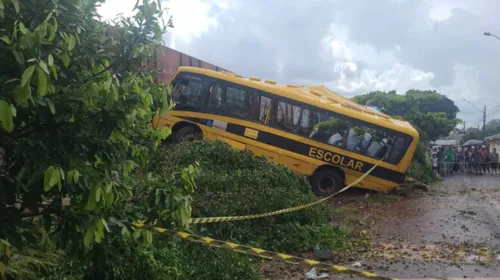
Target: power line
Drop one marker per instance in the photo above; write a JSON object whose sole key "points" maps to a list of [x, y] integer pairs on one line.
{"points": [[494, 109], [489, 116]]}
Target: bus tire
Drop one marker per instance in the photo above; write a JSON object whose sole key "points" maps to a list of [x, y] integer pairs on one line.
{"points": [[327, 181], [187, 133]]}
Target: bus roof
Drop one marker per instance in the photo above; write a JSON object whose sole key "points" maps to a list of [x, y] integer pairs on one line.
{"points": [[318, 96]]}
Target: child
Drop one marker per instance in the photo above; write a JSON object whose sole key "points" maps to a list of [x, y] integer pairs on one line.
{"points": [[434, 164]]}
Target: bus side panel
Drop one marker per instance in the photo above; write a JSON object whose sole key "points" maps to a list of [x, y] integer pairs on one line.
{"points": [[370, 182], [300, 166], [263, 152]]}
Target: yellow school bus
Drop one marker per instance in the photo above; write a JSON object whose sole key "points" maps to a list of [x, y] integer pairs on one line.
{"points": [[308, 129]]}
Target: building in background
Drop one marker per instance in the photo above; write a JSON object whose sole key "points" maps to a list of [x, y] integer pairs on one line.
{"points": [[169, 60], [493, 141]]}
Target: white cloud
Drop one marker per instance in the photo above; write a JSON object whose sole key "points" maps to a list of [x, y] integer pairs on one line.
{"points": [[112, 8], [191, 18]]}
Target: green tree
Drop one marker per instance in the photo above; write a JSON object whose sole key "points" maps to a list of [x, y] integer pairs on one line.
{"points": [[431, 113], [75, 110]]}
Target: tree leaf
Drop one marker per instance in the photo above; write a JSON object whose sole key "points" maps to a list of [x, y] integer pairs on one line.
{"points": [[50, 178], [65, 59], [11, 81], [41, 82], [54, 177], [16, 5], [2, 269], [19, 56], [105, 225], [72, 42], [14, 111], [50, 59], [76, 176], [52, 107], [98, 194], [26, 78], [23, 28], [5, 39], [62, 173], [110, 100], [44, 67], [100, 231], [52, 30], [89, 236], [54, 71], [91, 200], [6, 116], [22, 94]]}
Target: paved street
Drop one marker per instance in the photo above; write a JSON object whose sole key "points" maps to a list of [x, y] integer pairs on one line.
{"points": [[451, 232]]}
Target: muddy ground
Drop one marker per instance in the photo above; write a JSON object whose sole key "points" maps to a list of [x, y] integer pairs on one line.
{"points": [[451, 231]]}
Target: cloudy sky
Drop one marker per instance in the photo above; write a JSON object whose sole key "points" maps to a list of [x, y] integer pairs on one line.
{"points": [[350, 46]]}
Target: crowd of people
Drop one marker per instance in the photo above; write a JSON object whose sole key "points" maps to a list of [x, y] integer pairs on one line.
{"points": [[479, 161]]}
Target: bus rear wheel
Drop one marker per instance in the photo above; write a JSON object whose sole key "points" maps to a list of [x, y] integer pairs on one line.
{"points": [[187, 133], [326, 182]]}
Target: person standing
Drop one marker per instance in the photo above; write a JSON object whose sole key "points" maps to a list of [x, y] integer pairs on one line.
{"points": [[441, 155], [476, 161], [494, 161], [468, 159], [484, 159], [434, 160], [462, 159], [450, 158]]}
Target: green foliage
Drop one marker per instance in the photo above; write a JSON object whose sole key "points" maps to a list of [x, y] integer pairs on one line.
{"points": [[231, 183], [491, 128], [75, 112], [228, 182], [421, 172], [431, 113]]}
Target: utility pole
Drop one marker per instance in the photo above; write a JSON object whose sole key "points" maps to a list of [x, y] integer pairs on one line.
{"points": [[484, 122], [464, 127]]}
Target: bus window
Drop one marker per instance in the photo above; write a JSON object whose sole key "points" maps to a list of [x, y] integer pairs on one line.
{"points": [[265, 109], [368, 141], [293, 118], [215, 98], [230, 100], [187, 92], [398, 149], [329, 129]]}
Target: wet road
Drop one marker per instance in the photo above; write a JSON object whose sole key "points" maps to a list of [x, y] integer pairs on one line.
{"points": [[451, 232]]}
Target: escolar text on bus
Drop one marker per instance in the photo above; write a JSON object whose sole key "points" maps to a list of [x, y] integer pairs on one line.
{"points": [[335, 159]]}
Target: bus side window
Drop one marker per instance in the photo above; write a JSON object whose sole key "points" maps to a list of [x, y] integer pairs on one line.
{"points": [[330, 129], [264, 110], [216, 96], [187, 92], [230, 100], [293, 119], [397, 151]]}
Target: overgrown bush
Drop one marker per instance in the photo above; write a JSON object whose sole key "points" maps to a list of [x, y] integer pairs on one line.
{"points": [[421, 172], [229, 182], [421, 168], [232, 183]]}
